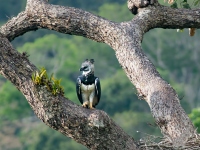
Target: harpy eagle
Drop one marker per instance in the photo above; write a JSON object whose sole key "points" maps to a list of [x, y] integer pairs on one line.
{"points": [[88, 86]]}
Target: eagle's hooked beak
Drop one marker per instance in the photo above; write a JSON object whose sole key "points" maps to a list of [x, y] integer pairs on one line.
{"points": [[83, 68]]}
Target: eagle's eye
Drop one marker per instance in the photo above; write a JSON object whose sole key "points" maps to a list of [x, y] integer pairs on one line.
{"points": [[85, 67]]}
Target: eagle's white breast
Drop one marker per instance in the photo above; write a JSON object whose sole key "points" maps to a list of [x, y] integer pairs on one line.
{"points": [[88, 93], [87, 88]]}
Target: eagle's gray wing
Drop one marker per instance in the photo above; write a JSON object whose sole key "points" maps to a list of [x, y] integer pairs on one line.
{"points": [[78, 89]]}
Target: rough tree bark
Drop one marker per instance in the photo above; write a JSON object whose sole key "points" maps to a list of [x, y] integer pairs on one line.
{"points": [[94, 128]]}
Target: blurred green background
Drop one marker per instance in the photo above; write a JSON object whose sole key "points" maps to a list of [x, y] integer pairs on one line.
{"points": [[175, 55]]}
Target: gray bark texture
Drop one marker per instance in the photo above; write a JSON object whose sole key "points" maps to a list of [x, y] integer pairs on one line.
{"points": [[94, 128]]}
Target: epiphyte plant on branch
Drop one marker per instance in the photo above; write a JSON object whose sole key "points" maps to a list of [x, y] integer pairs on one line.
{"points": [[52, 84], [88, 86]]}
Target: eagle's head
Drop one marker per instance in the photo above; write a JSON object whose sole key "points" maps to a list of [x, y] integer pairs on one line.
{"points": [[87, 67]]}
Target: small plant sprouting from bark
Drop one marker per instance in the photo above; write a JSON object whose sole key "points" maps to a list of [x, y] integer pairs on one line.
{"points": [[25, 55], [52, 84]]}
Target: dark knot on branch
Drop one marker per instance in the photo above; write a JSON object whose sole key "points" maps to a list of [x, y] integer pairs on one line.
{"points": [[133, 5]]}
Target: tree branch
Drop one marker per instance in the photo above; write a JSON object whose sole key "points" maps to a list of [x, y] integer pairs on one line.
{"points": [[92, 128], [160, 16], [68, 20], [17, 26]]}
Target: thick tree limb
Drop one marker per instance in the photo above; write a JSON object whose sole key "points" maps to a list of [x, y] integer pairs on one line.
{"points": [[68, 20], [92, 128], [125, 38], [18, 26]]}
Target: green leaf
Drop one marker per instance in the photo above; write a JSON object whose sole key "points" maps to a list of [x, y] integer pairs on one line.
{"points": [[42, 73], [185, 5], [174, 5], [196, 2]]}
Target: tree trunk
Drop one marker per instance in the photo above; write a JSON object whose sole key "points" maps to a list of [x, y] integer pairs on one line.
{"points": [[93, 128]]}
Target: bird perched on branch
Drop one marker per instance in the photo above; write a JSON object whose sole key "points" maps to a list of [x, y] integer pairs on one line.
{"points": [[88, 86]]}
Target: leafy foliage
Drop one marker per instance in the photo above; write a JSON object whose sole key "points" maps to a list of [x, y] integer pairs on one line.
{"points": [[121, 95], [179, 60], [110, 11], [45, 138], [137, 124], [13, 104], [184, 3], [195, 117]]}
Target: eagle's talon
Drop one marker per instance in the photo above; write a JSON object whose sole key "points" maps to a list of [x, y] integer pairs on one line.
{"points": [[91, 107], [85, 104]]}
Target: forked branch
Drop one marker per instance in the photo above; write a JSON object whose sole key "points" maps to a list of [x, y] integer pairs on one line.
{"points": [[95, 129]]}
